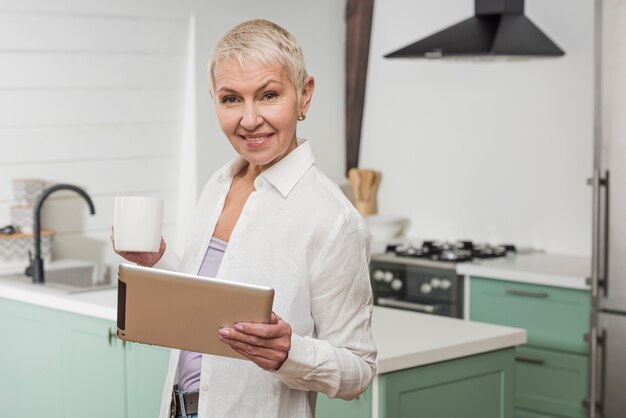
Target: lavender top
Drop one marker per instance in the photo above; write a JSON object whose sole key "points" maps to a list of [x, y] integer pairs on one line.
{"points": [[189, 362]]}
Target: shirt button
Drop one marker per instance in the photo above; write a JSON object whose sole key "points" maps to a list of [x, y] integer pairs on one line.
{"points": [[247, 212], [229, 256], [261, 184], [205, 388]]}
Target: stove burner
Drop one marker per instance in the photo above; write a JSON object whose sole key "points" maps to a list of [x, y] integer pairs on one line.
{"points": [[453, 252]]}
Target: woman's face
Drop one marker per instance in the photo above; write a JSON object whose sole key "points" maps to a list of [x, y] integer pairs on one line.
{"points": [[257, 108]]}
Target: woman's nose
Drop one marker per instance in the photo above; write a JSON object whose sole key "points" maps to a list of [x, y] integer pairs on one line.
{"points": [[250, 118]]}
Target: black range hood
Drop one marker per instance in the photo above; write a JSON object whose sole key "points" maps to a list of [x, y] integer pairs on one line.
{"points": [[498, 27]]}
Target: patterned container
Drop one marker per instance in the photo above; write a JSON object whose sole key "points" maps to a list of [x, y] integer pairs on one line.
{"points": [[22, 218], [26, 191], [14, 248]]}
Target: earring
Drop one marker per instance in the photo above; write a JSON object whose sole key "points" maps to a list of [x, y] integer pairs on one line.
{"points": [[302, 116]]}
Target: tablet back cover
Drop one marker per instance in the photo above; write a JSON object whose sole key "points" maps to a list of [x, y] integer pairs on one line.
{"points": [[183, 311]]}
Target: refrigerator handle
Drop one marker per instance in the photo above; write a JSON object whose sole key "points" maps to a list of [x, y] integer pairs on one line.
{"points": [[592, 402], [597, 234]]}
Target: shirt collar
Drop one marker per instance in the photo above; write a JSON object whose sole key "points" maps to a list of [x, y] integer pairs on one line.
{"points": [[287, 172], [283, 175]]}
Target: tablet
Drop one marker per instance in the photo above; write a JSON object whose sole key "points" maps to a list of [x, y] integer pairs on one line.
{"points": [[184, 311]]}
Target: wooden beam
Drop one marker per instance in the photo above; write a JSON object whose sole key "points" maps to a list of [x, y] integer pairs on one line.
{"points": [[358, 26]]}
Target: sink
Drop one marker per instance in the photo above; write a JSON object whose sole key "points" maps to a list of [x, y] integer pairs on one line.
{"points": [[72, 278]]}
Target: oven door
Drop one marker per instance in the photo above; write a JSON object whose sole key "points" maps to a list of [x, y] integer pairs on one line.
{"points": [[417, 288]]}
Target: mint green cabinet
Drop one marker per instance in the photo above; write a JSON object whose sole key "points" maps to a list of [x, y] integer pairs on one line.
{"points": [[146, 367], [360, 407], [93, 373], [552, 382], [555, 318], [31, 361], [520, 413], [474, 386], [58, 364], [552, 368]]}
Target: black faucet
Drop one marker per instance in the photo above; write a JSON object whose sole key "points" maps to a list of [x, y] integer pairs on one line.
{"points": [[36, 268]]}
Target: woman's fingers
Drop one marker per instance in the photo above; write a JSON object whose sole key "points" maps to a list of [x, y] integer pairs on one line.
{"points": [[267, 345], [280, 343], [262, 362], [142, 258], [254, 350]]}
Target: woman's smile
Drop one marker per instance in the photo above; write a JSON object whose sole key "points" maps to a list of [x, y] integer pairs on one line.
{"points": [[257, 140]]}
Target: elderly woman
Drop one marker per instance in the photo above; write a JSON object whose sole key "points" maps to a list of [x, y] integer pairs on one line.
{"points": [[270, 217]]}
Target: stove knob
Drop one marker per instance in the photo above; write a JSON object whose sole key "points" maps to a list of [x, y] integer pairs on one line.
{"points": [[396, 284], [425, 288], [445, 284], [435, 283], [378, 275], [388, 277]]}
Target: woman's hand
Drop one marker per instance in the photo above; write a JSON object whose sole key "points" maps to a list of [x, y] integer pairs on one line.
{"points": [[267, 345], [145, 259]]}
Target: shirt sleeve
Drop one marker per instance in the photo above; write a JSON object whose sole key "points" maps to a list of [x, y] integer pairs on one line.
{"points": [[341, 360]]}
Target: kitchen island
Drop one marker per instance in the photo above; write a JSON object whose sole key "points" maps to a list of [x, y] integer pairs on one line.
{"points": [[423, 361]]}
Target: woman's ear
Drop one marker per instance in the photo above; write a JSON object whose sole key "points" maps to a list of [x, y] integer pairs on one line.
{"points": [[307, 94]]}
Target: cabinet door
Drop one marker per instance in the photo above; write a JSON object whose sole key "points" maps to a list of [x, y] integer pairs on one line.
{"points": [[476, 386], [94, 368], [30, 361], [360, 407], [555, 318], [520, 413], [551, 382], [146, 367]]}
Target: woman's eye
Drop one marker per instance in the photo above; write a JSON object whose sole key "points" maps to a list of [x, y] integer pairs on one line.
{"points": [[229, 99], [270, 95]]}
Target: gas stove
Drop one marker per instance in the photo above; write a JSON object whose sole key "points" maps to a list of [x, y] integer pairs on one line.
{"points": [[450, 251], [423, 278]]}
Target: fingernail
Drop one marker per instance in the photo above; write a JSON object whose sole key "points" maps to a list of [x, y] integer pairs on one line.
{"points": [[223, 332], [238, 327]]}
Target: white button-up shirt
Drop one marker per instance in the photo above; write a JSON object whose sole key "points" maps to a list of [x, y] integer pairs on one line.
{"points": [[302, 237]]}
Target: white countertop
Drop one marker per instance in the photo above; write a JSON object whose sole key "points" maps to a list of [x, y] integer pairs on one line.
{"points": [[409, 339], [538, 268], [404, 339], [97, 303]]}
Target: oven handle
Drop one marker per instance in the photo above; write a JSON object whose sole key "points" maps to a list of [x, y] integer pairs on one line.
{"points": [[420, 307]]}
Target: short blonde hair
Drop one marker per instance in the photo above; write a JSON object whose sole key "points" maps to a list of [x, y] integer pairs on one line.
{"points": [[265, 42]]}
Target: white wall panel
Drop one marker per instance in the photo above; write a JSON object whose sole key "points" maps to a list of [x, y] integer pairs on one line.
{"points": [[85, 33], [48, 69], [63, 107], [28, 145], [143, 8], [98, 177]]}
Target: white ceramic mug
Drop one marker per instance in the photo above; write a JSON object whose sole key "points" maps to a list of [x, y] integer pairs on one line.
{"points": [[137, 223]]}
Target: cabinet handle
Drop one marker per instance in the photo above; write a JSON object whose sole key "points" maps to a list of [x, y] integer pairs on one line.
{"points": [[529, 359], [527, 293], [112, 336]]}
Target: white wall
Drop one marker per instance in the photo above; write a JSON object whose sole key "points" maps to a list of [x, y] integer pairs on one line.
{"points": [[92, 94], [494, 150]]}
